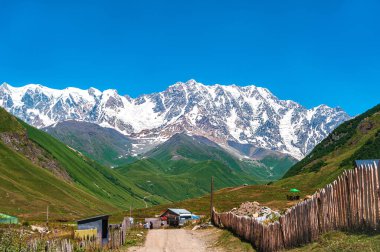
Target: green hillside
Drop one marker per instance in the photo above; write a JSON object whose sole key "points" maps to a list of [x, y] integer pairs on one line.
{"points": [[37, 170], [99, 180], [104, 145], [181, 168]]}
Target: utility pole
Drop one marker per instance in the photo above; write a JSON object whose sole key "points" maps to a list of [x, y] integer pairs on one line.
{"points": [[130, 211], [47, 215], [212, 199]]}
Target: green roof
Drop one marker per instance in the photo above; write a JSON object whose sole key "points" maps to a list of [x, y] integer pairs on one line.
{"points": [[294, 190], [4, 218]]}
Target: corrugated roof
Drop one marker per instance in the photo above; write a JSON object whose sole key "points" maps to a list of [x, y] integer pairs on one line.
{"points": [[367, 162], [5, 216], [179, 211], [94, 218]]}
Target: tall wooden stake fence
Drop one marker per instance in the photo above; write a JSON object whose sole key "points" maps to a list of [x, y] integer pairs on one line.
{"points": [[352, 202]]}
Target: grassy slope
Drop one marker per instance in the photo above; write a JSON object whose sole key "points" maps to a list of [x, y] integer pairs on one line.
{"points": [[181, 168], [103, 182], [27, 189], [278, 166], [104, 145], [195, 182]]}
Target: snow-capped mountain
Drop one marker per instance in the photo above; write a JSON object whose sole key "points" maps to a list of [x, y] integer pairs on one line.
{"points": [[247, 115]]}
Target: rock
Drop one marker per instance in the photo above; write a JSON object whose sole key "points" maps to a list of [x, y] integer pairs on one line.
{"points": [[254, 210], [308, 197], [196, 227]]}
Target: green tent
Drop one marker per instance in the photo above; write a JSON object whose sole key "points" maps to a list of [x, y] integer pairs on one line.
{"points": [[7, 219], [294, 190]]}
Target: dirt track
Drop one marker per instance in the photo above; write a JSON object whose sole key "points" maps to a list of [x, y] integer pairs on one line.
{"points": [[173, 240]]}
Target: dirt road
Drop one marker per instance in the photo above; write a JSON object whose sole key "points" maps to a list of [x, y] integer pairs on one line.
{"points": [[173, 240]]}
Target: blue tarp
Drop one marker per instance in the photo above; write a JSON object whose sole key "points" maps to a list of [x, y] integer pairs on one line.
{"points": [[195, 217]]}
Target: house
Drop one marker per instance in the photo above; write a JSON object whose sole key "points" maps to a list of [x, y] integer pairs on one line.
{"points": [[367, 163], [7, 219], [100, 223], [177, 217]]}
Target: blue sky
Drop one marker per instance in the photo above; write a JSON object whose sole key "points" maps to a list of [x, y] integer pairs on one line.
{"points": [[309, 51]]}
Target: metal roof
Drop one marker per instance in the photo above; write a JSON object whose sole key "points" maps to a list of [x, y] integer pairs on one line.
{"points": [[5, 216], [367, 162], [98, 217], [179, 211]]}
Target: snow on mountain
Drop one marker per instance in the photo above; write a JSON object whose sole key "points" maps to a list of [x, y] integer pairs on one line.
{"points": [[248, 115]]}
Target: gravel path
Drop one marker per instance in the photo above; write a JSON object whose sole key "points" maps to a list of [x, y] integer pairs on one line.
{"points": [[172, 240]]}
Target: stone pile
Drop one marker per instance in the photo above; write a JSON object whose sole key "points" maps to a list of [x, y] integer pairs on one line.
{"points": [[255, 210]]}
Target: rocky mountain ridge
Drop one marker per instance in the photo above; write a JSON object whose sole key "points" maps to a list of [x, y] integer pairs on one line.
{"points": [[224, 114]]}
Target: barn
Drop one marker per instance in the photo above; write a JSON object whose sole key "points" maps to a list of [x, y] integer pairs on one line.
{"points": [[100, 223]]}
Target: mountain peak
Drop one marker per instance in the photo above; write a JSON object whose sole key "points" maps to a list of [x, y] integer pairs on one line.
{"points": [[247, 114], [188, 83], [192, 82], [5, 86], [94, 91]]}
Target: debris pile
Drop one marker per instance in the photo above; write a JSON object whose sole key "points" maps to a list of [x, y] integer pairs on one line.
{"points": [[202, 226], [255, 210], [41, 230]]}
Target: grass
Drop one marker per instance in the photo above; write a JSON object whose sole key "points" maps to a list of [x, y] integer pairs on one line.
{"points": [[135, 237], [181, 168], [104, 145], [100, 181], [27, 189], [191, 183], [341, 241], [231, 243], [224, 200]]}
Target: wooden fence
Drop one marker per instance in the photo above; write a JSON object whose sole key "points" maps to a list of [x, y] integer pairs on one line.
{"points": [[351, 202]]}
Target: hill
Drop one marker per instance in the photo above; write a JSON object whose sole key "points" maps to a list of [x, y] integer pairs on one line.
{"points": [[182, 167], [104, 145], [37, 170]]}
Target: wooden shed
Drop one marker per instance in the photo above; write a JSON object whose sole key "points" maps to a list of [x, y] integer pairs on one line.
{"points": [[100, 223]]}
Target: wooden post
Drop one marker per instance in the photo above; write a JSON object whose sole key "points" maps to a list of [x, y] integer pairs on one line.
{"points": [[212, 199], [47, 215]]}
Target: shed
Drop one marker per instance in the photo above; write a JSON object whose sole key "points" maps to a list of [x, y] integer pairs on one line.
{"points": [[367, 163], [7, 219], [100, 223], [176, 216]]}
